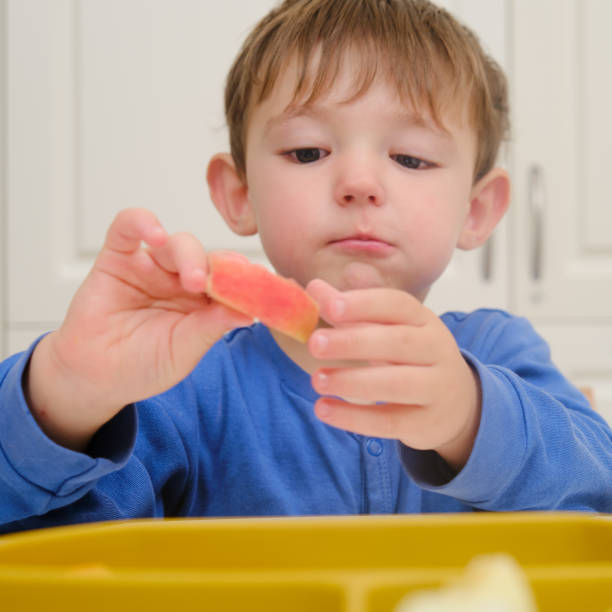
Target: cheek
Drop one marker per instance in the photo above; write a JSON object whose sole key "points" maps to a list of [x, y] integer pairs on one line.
{"points": [[282, 212], [433, 228], [445, 208], [284, 201], [433, 216], [284, 226]]}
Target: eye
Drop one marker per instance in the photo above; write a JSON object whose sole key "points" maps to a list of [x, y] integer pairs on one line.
{"points": [[408, 161], [307, 155]]}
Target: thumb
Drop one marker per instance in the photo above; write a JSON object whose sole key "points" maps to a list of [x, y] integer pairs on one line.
{"points": [[203, 328]]}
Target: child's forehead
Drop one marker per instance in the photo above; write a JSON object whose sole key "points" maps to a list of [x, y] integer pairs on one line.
{"points": [[304, 90], [325, 108]]}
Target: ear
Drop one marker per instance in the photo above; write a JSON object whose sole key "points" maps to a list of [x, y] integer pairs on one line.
{"points": [[489, 201], [230, 194]]}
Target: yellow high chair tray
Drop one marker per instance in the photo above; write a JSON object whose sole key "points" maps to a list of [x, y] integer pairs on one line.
{"points": [[319, 564]]}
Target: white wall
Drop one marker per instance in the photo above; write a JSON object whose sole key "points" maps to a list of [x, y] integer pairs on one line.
{"points": [[3, 208]]}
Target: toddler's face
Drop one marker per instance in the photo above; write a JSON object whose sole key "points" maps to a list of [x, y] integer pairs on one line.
{"points": [[360, 193]]}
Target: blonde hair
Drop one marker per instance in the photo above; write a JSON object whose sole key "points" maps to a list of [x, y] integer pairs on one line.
{"points": [[431, 59]]}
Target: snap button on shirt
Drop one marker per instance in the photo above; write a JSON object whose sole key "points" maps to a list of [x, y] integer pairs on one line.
{"points": [[375, 448]]}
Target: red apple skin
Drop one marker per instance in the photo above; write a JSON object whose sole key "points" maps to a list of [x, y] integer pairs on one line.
{"points": [[277, 302]]}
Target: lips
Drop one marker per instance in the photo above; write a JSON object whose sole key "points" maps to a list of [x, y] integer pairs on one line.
{"points": [[365, 244]]}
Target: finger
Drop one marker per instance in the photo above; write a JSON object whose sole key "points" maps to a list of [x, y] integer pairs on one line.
{"points": [[184, 255], [131, 227], [232, 255], [379, 305], [394, 384], [325, 295], [403, 344], [380, 421], [203, 327]]}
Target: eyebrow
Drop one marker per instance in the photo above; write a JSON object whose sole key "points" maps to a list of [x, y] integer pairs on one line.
{"points": [[417, 120], [291, 112], [407, 119]]}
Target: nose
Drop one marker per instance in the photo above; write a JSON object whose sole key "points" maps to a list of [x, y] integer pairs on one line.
{"points": [[359, 183]]}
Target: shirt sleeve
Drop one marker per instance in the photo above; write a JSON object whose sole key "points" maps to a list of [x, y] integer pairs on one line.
{"points": [[37, 475], [540, 446]]}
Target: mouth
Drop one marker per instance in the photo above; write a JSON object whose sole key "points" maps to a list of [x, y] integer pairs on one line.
{"points": [[365, 244]]}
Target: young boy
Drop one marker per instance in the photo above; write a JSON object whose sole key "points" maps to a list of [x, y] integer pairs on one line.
{"points": [[363, 139]]}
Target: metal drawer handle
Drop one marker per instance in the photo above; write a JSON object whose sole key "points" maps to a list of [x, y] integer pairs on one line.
{"points": [[536, 197], [487, 260]]}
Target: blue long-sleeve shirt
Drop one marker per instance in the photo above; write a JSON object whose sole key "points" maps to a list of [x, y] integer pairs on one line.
{"points": [[238, 437]]}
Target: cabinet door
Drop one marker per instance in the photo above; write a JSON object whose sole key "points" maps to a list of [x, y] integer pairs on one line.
{"points": [[562, 238], [563, 128], [3, 212], [110, 104]]}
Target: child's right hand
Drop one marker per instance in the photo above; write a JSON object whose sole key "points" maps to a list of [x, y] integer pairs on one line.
{"points": [[138, 325]]}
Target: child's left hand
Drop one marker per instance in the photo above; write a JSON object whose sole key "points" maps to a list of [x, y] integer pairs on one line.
{"points": [[416, 386]]}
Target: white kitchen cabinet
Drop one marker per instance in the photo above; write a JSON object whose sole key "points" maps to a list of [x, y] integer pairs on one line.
{"points": [[3, 204], [561, 245], [115, 103], [110, 104], [562, 100]]}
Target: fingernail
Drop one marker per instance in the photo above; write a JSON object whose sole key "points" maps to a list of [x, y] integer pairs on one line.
{"points": [[320, 342], [199, 274], [157, 235], [323, 409], [337, 307], [321, 380], [197, 279]]}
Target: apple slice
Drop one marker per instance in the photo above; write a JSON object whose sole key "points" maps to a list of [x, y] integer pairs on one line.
{"points": [[253, 290]]}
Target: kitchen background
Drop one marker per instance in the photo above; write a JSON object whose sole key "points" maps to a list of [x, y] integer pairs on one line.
{"points": [[106, 104]]}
